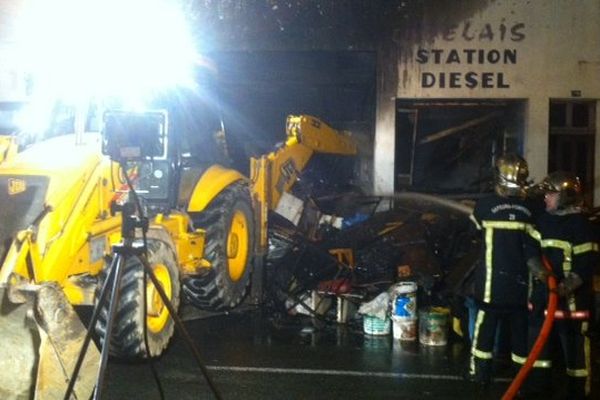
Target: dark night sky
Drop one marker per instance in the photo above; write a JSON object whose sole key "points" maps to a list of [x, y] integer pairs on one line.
{"points": [[284, 24]]}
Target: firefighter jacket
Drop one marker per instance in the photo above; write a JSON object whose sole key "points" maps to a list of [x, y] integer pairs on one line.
{"points": [[501, 278], [570, 245]]}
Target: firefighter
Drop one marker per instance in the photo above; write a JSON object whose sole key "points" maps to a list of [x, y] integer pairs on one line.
{"points": [[501, 277], [569, 243]]}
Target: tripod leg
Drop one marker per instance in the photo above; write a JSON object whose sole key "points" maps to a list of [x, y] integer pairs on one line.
{"points": [[88, 337], [112, 307], [180, 326]]}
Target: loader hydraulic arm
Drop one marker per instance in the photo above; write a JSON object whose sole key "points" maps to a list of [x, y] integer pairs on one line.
{"points": [[276, 172], [318, 136]]}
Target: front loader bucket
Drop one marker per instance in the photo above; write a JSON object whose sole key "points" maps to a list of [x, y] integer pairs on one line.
{"points": [[40, 340], [19, 345]]}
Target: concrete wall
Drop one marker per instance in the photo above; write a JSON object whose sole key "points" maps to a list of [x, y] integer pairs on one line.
{"points": [[535, 50]]}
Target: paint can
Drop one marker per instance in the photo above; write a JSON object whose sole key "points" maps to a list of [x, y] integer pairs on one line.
{"points": [[433, 326], [404, 295], [404, 310], [404, 328], [376, 326]]}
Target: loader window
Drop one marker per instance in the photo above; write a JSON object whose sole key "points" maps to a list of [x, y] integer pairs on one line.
{"points": [[195, 125], [129, 135], [62, 121], [199, 127], [9, 116], [44, 121], [202, 137], [93, 118]]}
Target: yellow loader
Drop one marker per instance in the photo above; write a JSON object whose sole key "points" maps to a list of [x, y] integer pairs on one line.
{"points": [[8, 147], [207, 230]]}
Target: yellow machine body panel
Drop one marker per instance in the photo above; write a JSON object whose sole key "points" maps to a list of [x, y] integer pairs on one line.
{"points": [[75, 226], [213, 181], [189, 244], [76, 229]]}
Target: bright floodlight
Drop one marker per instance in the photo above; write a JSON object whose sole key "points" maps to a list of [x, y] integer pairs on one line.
{"points": [[77, 49]]}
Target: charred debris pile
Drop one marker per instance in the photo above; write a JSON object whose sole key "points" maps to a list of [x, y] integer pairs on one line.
{"points": [[357, 246]]}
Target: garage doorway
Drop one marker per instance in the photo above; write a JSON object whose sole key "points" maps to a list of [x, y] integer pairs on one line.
{"points": [[572, 141], [449, 147]]}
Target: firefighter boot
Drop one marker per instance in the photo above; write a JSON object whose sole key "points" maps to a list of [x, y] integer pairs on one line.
{"points": [[576, 388], [537, 385], [480, 372]]}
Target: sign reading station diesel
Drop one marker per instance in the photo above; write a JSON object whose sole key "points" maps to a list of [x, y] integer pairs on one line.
{"points": [[469, 79], [471, 32]]}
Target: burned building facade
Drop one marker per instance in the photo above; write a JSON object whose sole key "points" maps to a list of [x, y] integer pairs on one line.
{"points": [[460, 83]]}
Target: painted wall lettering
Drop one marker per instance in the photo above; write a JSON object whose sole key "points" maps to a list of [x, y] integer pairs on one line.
{"points": [[474, 78], [467, 56], [471, 80], [502, 32]]}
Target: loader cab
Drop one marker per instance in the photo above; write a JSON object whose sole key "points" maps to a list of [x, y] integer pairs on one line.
{"points": [[190, 119]]}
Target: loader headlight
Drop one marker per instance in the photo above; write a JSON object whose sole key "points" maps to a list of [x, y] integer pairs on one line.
{"points": [[133, 136], [77, 49]]}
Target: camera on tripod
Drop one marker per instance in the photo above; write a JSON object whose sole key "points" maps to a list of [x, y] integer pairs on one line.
{"points": [[135, 136], [139, 141]]}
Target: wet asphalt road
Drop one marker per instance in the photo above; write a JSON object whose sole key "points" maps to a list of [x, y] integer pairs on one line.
{"points": [[250, 357]]}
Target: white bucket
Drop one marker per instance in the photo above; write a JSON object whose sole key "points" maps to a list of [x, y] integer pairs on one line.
{"points": [[404, 328], [376, 326], [404, 300]]}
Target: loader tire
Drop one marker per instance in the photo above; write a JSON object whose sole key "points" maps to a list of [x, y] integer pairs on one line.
{"points": [[229, 247], [127, 339]]}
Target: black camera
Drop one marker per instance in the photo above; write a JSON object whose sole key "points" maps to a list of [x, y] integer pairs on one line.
{"points": [[133, 136]]}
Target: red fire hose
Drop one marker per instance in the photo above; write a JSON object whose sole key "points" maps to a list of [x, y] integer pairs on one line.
{"points": [[541, 339]]}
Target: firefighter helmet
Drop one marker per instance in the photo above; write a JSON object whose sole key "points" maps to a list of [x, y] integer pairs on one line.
{"points": [[567, 185], [511, 175]]}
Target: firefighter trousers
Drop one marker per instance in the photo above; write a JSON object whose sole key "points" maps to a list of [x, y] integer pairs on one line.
{"points": [[486, 324], [571, 336]]}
